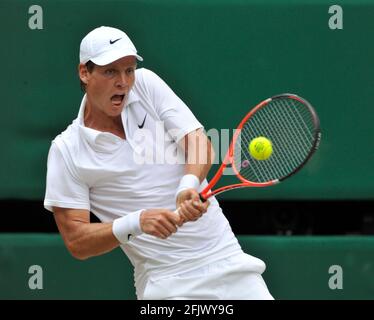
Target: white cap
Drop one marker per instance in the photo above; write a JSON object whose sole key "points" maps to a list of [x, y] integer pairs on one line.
{"points": [[104, 45]]}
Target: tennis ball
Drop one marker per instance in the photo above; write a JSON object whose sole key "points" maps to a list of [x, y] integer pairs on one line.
{"points": [[260, 148]]}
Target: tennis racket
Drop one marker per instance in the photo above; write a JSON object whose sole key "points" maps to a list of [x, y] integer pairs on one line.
{"points": [[292, 126]]}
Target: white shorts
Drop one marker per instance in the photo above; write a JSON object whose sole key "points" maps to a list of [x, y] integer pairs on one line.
{"points": [[234, 278]]}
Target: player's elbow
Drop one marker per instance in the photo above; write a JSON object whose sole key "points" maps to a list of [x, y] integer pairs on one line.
{"points": [[78, 255], [76, 251]]}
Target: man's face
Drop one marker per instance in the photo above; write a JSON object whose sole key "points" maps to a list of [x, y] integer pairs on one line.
{"points": [[108, 86]]}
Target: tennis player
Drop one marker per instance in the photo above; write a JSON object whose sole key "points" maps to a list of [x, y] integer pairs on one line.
{"points": [[97, 164]]}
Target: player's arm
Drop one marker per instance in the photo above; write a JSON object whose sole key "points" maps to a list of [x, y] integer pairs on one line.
{"points": [[199, 154], [84, 239]]}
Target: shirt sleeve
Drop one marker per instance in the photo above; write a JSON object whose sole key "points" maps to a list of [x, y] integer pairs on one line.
{"points": [[62, 188], [177, 117]]}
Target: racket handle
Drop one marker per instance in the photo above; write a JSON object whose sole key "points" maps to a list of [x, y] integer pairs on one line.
{"points": [[201, 199]]}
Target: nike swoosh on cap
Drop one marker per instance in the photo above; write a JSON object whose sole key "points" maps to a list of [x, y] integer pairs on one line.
{"points": [[111, 42], [142, 125]]}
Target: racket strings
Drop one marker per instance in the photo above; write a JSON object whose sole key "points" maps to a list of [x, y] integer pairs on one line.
{"points": [[264, 172], [270, 118], [290, 126], [300, 124]]}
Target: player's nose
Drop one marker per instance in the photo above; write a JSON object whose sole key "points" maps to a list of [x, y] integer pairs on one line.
{"points": [[122, 80]]}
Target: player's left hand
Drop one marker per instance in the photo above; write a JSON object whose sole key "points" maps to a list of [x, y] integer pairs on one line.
{"points": [[190, 206]]}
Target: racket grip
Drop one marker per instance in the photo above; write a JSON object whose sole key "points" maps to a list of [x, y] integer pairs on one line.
{"points": [[201, 199]]}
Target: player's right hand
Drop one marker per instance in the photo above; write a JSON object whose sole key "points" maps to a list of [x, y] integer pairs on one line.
{"points": [[189, 206], [160, 223]]}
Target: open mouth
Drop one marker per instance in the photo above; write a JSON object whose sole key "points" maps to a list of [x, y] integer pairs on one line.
{"points": [[117, 99]]}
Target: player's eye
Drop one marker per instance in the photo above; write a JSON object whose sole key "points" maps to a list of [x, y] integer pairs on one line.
{"points": [[130, 71], [110, 72]]}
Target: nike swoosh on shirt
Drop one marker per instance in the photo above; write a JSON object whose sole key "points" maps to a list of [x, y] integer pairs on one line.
{"points": [[111, 42], [142, 125]]}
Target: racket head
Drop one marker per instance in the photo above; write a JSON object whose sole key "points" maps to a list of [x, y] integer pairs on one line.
{"points": [[290, 117], [292, 126]]}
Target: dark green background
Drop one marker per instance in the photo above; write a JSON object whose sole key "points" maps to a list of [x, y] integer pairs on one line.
{"points": [[220, 57], [297, 268]]}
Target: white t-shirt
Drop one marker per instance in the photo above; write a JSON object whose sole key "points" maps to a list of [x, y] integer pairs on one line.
{"points": [[112, 177]]}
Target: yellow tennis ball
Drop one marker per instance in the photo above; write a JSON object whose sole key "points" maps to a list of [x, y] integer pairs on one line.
{"points": [[260, 148]]}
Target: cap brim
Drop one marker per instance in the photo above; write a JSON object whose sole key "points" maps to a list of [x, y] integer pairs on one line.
{"points": [[113, 55]]}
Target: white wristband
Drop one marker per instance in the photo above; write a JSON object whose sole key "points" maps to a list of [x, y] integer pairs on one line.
{"points": [[125, 227], [188, 181]]}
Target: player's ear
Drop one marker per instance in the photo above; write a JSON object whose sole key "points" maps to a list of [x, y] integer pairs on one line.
{"points": [[83, 72]]}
